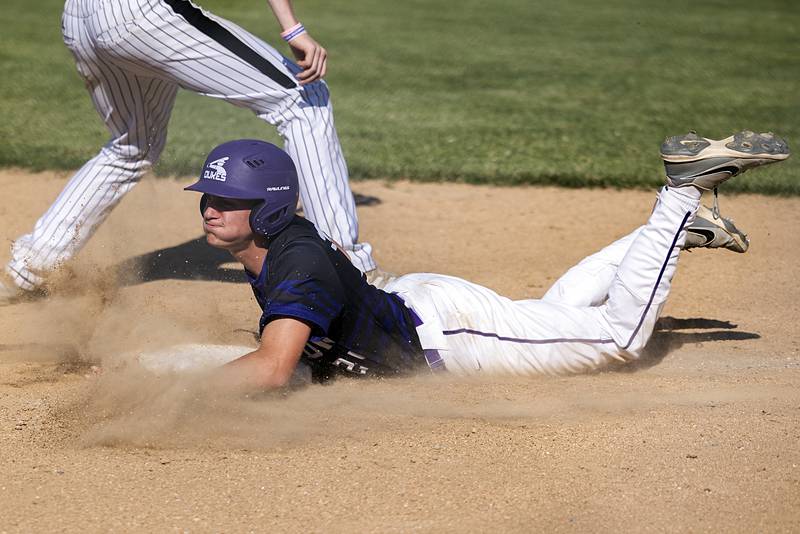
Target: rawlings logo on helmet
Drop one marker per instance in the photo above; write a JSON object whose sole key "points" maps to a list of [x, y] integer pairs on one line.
{"points": [[216, 170]]}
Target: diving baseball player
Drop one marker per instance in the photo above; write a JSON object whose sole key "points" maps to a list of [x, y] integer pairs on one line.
{"points": [[134, 55], [318, 308]]}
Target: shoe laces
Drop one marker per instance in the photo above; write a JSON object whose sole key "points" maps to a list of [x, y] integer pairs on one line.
{"points": [[715, 211], [715, 206]]}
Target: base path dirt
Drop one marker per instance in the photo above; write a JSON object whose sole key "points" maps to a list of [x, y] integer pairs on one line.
{"points": [[702, 434]]}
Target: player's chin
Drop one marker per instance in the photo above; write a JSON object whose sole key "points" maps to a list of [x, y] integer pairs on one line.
{"points": [[219, 239], [215, 240]]}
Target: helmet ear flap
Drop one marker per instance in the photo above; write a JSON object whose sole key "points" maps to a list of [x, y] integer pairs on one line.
{"points": [[203, 203], [267, 221], [258, 224]]}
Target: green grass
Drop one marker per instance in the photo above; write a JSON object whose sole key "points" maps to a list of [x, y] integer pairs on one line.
{"points": [[510, 91]]}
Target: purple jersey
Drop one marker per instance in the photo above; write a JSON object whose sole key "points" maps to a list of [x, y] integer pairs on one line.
{"points": [[356, 329]]}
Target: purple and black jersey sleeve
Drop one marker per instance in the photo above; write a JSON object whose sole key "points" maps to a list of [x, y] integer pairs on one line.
{"points": [[305, 287]]}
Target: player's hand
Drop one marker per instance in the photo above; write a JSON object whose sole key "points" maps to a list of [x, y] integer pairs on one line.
{"points": [[310, 56]]}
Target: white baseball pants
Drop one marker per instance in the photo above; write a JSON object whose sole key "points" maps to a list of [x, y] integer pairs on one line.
{"points": [[133, 56], [603, 309]]}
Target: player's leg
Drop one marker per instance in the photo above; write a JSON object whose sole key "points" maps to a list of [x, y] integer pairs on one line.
{"points": [[693, 165], [588, 282], [214, 57], [481, 331], [476, 330], [644, 276], [136, 110]]}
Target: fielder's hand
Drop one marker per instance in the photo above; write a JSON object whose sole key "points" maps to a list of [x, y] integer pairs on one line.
{"points": [[310, 56]]}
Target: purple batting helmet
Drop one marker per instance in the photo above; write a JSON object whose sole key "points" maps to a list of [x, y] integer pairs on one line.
{"points": [[255, 170]]}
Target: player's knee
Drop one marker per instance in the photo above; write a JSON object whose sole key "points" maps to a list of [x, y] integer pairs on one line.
{"points": [[630, 354], [134, 155], [129, 159], [630, 347]]}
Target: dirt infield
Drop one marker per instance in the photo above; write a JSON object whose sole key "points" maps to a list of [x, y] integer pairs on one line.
{"points": [[702, 435]]}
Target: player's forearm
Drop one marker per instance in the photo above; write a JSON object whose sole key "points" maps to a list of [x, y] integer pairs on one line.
{"points": [[254, 371], [282, 9], [271, 365]]}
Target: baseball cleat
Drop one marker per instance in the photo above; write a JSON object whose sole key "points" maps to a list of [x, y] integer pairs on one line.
{"points": [[711, 230], [705, 163]]}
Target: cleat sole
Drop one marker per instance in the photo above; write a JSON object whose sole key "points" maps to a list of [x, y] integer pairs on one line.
{"points": [[741, 145]]}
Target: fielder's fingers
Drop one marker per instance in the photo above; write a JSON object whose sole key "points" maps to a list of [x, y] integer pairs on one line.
{"points": [[312, 72], [324, 69], [319, 59], [304, 52], [306, 61]]}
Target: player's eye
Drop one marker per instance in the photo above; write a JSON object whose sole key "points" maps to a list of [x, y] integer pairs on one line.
{"points": [[230, 204], [222, 204]]}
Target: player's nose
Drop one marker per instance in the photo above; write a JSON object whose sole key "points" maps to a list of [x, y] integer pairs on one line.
{"points": [[210, 212]]}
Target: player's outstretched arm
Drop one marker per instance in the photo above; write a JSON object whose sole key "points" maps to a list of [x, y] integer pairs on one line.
{"points": [[308, 52], [271, 365]]}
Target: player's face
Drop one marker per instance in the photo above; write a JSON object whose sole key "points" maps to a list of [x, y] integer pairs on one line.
{"points": [[226, 222]]}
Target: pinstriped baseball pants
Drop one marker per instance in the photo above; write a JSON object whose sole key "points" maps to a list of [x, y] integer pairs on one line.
{"points": [[603, 309], [133, 56]]}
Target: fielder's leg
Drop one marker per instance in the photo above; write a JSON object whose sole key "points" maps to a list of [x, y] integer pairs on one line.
{"points": [[214, 57], [136, 110]]}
